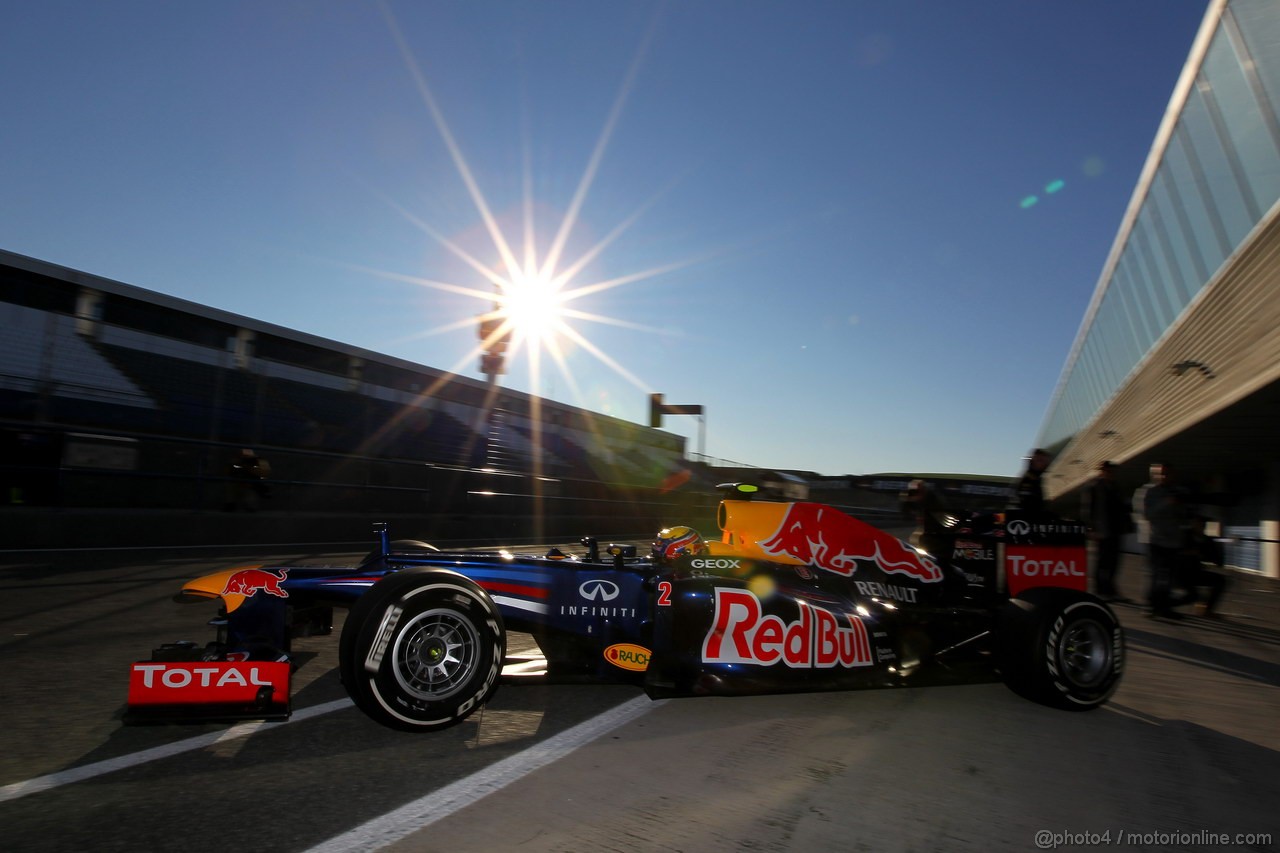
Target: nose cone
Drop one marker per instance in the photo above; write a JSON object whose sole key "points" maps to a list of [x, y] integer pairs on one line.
{"points": [[214, 586]]}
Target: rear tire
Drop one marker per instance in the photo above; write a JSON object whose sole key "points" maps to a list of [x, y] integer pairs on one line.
{"points": [[422, 650], [1061, 648]]}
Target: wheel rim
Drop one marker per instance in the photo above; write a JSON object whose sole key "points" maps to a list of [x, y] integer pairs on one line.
{"points": [[435, 654], [1085, 652]]}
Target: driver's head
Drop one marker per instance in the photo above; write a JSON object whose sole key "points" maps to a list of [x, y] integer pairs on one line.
{"points": [[672, 543]]}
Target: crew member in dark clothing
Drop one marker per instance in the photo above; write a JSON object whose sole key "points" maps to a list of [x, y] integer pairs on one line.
{"points": [[1165, 515], [1201, 550], [1106, 512], [1030, 494], [924, 504], [247, 481]]}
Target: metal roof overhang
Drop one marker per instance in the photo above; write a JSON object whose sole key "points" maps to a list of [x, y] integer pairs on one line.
{"points": [[1206, 398]]}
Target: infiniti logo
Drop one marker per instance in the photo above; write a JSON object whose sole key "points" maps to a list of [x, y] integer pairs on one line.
{"points": [[598, 590], [1018, 527]]}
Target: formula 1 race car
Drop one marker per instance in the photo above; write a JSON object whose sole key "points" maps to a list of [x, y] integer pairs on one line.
{"points": [[794, 596]]}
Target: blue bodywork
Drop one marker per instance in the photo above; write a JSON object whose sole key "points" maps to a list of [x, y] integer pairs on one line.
{"points": [[574, 605]]}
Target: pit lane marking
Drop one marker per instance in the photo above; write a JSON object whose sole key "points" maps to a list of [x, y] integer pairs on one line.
{"points": [[437, 805], [455, 796], [17, 790]]}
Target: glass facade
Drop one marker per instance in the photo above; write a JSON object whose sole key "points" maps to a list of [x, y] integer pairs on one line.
{"points": [[1216, 176]]}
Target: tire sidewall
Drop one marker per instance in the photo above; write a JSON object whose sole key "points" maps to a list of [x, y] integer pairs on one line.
{"points": [[378, 623], [1069, 691], [1034, 630]]}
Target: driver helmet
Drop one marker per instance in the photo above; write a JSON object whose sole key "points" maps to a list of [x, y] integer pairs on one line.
{"points": [[674, 542]]}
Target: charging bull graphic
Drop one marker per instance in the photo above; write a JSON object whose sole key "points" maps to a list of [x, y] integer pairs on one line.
{"points": [[249, 581], [829, 539]]}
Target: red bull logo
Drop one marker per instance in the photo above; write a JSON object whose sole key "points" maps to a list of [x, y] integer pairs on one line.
{"points": [[248, 582], [818, 639], [827, 538]]}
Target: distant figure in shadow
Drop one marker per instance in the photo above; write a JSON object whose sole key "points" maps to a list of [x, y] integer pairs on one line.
{"points": [[247, 482], [1201, 550], [1106, 512], [1029, 496], [922, 502], [1165, 521]]}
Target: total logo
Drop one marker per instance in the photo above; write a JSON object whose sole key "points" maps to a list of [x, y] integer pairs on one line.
{"points": [[1031, 566], [1045, 568], [214, 682], [598, 590], [200, 676], [742, 633]]}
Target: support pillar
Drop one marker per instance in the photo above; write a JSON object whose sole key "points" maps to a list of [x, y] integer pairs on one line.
{"points": [[1269, 525]]}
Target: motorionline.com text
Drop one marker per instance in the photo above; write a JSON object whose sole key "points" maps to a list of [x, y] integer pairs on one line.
{"points": [[1050, 840]]}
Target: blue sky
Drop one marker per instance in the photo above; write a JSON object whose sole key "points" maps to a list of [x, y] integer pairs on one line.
{"points": [[816, 215]]}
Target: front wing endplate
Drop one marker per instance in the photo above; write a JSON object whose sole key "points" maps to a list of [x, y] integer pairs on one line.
{"points": [[168, 691]]}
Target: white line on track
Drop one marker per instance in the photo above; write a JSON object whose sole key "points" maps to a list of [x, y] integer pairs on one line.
{"points": [[437, 805], [110, 765]]}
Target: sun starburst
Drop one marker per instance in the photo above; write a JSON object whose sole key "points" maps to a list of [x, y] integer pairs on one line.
{"points": [[528, 300], [533, 304]]}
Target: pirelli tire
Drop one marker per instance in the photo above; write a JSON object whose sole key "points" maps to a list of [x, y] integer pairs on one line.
{"points": [[422, 649], [1061, 648]]}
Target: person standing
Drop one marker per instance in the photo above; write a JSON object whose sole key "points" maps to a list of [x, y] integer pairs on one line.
{"points": [[923, 504], [1106, 513], [1202, 550], [1029, 496], [1163, 509], [246, 482]]}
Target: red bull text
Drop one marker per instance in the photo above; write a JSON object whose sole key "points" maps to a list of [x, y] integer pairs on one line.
{"points": [[742, 633]]}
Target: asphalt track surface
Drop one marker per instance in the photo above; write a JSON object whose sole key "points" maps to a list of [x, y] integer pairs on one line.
{"points": [[1189, 748]]}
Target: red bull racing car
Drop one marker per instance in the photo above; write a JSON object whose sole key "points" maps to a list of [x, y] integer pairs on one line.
{"points": [[793, 596]]}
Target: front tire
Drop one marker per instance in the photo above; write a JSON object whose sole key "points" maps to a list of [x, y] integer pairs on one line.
{"points": [[422, 650], [1061, 648]]}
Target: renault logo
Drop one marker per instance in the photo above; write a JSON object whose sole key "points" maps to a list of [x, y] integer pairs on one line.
{"points": [[598, 590]]}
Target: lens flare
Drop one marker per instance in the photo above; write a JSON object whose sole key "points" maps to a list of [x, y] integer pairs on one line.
{"points": [[528, 299]]}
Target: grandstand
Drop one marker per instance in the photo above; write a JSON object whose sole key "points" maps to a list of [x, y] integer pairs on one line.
{"points": [[115, 398]]}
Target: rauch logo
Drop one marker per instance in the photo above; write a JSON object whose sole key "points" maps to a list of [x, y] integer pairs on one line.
{"points": [[628, 656]]}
